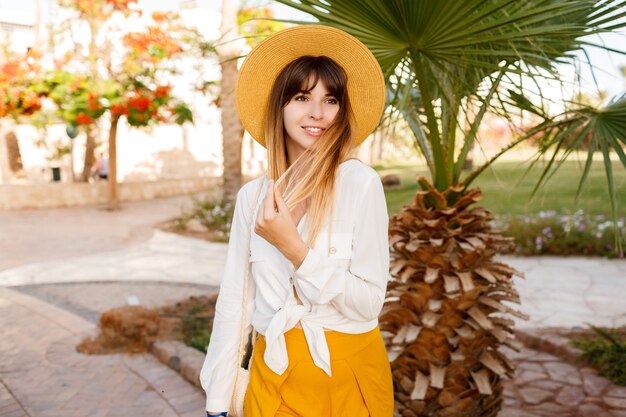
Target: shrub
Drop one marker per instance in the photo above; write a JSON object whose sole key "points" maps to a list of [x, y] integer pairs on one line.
{"points": [[606, 351], [214, 214], [549, 233], [196, 326]]}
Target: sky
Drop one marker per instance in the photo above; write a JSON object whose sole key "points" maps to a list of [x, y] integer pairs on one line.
{"points": [[607, 65]]}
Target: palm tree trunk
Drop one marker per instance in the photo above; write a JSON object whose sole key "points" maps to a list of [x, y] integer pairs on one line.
{"points": [[232, 132], [114, 203]]}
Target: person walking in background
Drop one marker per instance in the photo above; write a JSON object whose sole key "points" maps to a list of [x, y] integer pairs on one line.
{"points": [[319, 249], [101, 166]]}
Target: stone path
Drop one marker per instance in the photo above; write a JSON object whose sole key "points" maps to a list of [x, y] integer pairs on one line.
{"points": [[9, 406], [165, 257], [545, 386], [33, 236], [571, 291], [42, 375]]}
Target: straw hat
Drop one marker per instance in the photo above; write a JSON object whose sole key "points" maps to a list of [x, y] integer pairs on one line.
{"points": [[366, 85]]}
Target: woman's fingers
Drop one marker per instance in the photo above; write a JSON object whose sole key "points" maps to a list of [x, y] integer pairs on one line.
{"points": [[268, 202], [280, 203]]}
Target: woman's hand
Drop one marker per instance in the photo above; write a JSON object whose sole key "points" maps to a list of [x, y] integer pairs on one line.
{"points": [[275, 224]]}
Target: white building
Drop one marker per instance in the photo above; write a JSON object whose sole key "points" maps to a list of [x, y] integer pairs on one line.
{"points": [[16, 30]]}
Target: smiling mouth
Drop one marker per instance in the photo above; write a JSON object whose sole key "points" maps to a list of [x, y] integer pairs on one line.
{"points": [[313, 131]]}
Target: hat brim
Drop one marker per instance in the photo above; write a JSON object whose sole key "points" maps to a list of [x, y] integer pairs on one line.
{"points": [[365, 81]]}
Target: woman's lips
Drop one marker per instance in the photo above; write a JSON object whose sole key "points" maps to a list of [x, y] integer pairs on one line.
{"points": [[313, 131]]}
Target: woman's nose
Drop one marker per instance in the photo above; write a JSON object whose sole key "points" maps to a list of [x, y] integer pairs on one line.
{"points": [[315, 111]]}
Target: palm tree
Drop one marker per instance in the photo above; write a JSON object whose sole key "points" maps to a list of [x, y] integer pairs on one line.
{"points": [[447, 314], [232, 131]]}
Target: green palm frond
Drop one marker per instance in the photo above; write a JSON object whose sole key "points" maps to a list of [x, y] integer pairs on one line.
{"points": [[452, 47]]}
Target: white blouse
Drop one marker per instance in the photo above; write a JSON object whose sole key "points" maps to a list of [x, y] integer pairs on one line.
{"points": [[342, 285]]}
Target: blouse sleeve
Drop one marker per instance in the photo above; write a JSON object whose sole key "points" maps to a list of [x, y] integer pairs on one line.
{"points": [[358, 292], [217, 375]]}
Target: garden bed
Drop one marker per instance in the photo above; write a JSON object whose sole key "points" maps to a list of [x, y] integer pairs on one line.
{"points": [[133, 329]]}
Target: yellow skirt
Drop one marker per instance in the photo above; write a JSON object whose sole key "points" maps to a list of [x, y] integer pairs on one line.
{"points": [[361, 385]]}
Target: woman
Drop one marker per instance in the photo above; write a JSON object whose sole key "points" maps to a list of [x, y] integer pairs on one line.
{"points": [[319, 254]]}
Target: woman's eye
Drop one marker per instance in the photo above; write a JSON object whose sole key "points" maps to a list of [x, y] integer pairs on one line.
{"points": [[332, 101], [300, 98]]}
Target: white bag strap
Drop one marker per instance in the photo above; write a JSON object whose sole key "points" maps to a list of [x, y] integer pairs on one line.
{"points": [[246, 279]]}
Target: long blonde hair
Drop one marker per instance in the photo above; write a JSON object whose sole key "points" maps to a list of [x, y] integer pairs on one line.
{"points": [[313, 173]]}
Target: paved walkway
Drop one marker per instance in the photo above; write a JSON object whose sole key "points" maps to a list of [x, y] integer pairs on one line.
{"points": [[42, 375], [545, 386], [165, 257], [30, 236], [59, 269]]}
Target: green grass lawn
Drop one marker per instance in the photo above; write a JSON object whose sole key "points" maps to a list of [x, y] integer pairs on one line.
{"points": [[504, 191]]}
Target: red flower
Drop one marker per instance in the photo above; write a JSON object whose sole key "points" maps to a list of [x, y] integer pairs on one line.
{"points": [[139, 103], [162, 91], [83, 119], [30, 103], [118, 109], [92, 102]]}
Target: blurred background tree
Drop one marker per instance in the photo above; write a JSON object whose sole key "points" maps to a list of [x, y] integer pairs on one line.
{"points": [[121, 74], [17, 99]]}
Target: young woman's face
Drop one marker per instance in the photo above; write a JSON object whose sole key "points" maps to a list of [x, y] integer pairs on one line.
{"points": [[306, 116]]}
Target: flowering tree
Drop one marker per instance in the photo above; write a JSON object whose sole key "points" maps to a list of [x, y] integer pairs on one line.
{"points": [[76, 96], [129, 75], [17, 99], [134, 91], [94, 14]]}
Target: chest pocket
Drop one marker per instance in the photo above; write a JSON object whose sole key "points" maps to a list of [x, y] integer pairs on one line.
{"points": [[340, 245]]}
